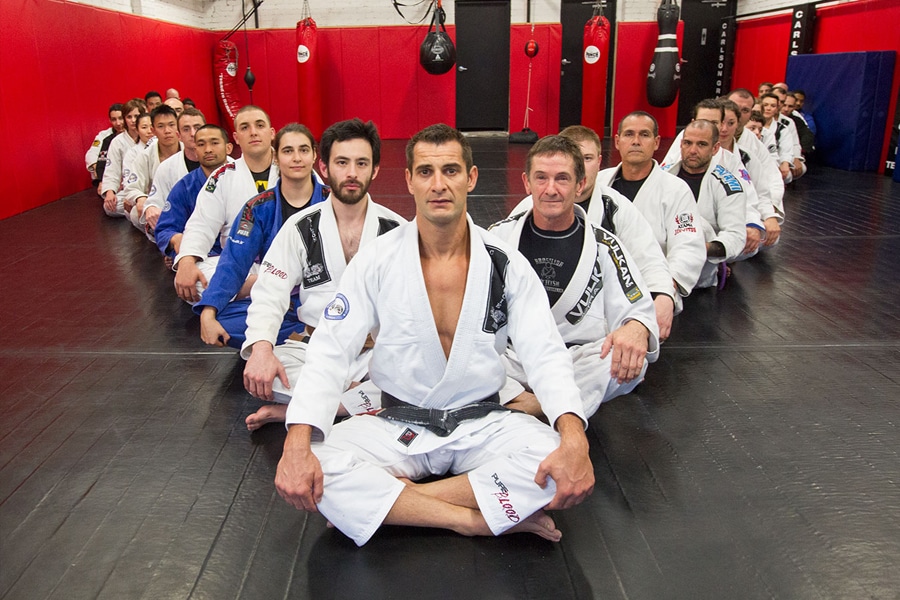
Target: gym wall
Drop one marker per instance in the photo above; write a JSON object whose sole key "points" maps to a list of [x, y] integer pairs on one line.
{"points": [[761, 47], [58, 78]]}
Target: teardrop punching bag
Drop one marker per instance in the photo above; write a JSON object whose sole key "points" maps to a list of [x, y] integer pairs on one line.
{"points": [[595, 69], [309, 83], [437, 54], [225, 58], [664, 77]]}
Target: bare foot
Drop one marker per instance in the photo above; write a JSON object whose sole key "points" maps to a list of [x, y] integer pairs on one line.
{"points": [[539, 524], [269, 413]]}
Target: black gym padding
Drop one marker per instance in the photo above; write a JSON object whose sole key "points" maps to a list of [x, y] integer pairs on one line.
{"points": [[759, 459]]}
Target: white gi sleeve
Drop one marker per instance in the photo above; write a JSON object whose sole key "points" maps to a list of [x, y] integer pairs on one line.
{"points": [[280, 272], [204, 225]]}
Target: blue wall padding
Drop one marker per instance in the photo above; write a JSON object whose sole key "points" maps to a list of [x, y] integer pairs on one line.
{"points": [[849, 95]]}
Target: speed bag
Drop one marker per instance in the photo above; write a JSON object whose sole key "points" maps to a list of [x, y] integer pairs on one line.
{"points": [[664, 77], [437, 54]]}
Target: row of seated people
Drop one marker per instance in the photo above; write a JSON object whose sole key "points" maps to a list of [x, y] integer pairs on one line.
{"points": [[788, 132], [613, 253]]}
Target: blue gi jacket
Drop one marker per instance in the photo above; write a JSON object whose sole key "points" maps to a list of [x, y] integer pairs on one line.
{"points": [[249, 240], [177, 210]]}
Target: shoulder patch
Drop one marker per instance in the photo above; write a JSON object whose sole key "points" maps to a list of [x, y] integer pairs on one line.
{"points": [[96, 143], [626, 279], [385, 225], [496, 311], [248, 219], [315, 271], [731, 183], [214, 178]]}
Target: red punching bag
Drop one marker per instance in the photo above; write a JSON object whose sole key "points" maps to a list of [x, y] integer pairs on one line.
{"points": [[664, 77], [595, 69], [225, 58], [309, 82]]}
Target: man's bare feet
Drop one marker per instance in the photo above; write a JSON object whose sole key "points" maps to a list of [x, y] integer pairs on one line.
{"points": [[268, 413], [539, 524]]}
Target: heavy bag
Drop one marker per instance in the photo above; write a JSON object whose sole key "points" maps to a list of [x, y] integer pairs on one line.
{"points": [[437, 54], [225, 59], [594, 72], [309, 82], [664, 77]]}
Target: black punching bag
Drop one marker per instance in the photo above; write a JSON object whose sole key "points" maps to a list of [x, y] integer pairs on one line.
{"points": [[664, 77], [437, 54]]}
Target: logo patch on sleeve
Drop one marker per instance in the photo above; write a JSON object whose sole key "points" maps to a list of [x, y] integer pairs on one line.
{"points": [[338, 308]]}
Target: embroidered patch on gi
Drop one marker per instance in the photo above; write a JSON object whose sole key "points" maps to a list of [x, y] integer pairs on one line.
{"points": [[167, 207], [406, 438], [728, 181], [685, 222], [152, 189], [95, 144], [338, 308]]}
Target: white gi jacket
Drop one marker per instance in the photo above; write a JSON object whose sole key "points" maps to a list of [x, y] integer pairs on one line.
{"points": [[764, 172], [112, 176], [606, 290], [306, 253], [93, 153], [383, 291], [632, 228], [170, 171], [219, 203], [143, 171], [668, 205]]}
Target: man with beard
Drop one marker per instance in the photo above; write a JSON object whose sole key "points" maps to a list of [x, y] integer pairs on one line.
{"points": [[221, 200], [223, 308], [311, 251]]}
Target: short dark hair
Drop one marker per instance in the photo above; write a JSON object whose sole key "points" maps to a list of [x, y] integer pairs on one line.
{"points": [[351, 129], [152, 94], [801, 92], [439, 134], [769, 95], [113, 108], [703, 125], [758, 117], [552, 145], [143, 115], [742, 93], [248, 108], [711, 104], [294, 128], [581, 133], [190, 111], [730, 105], [640, 113], [163, 110], [221, 130], [188, 102]]}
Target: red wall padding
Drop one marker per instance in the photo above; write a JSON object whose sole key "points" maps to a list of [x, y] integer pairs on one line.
{"points": [[369, 72], [58, 78], [760, 51], [761, 45], [544, 117], [635, 44]]}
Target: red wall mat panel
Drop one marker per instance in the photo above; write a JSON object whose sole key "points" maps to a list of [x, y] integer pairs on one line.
{"points": [[59, 78], [760, 51], [863, 26], [635, 44], [544, 117], [437, 93], [398, 81]]}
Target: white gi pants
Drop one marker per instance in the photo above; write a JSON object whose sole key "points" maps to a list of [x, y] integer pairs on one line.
{"points": [[292, 354], [363, 456], [591, 376]]}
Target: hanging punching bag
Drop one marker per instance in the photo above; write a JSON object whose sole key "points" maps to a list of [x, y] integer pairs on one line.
{"points": [[437, 54], [595, 69], [664, 77], [310, 91], [225, 58]]}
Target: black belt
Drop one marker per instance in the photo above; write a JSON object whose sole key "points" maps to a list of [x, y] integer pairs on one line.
{"points": [[439, 422]]}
